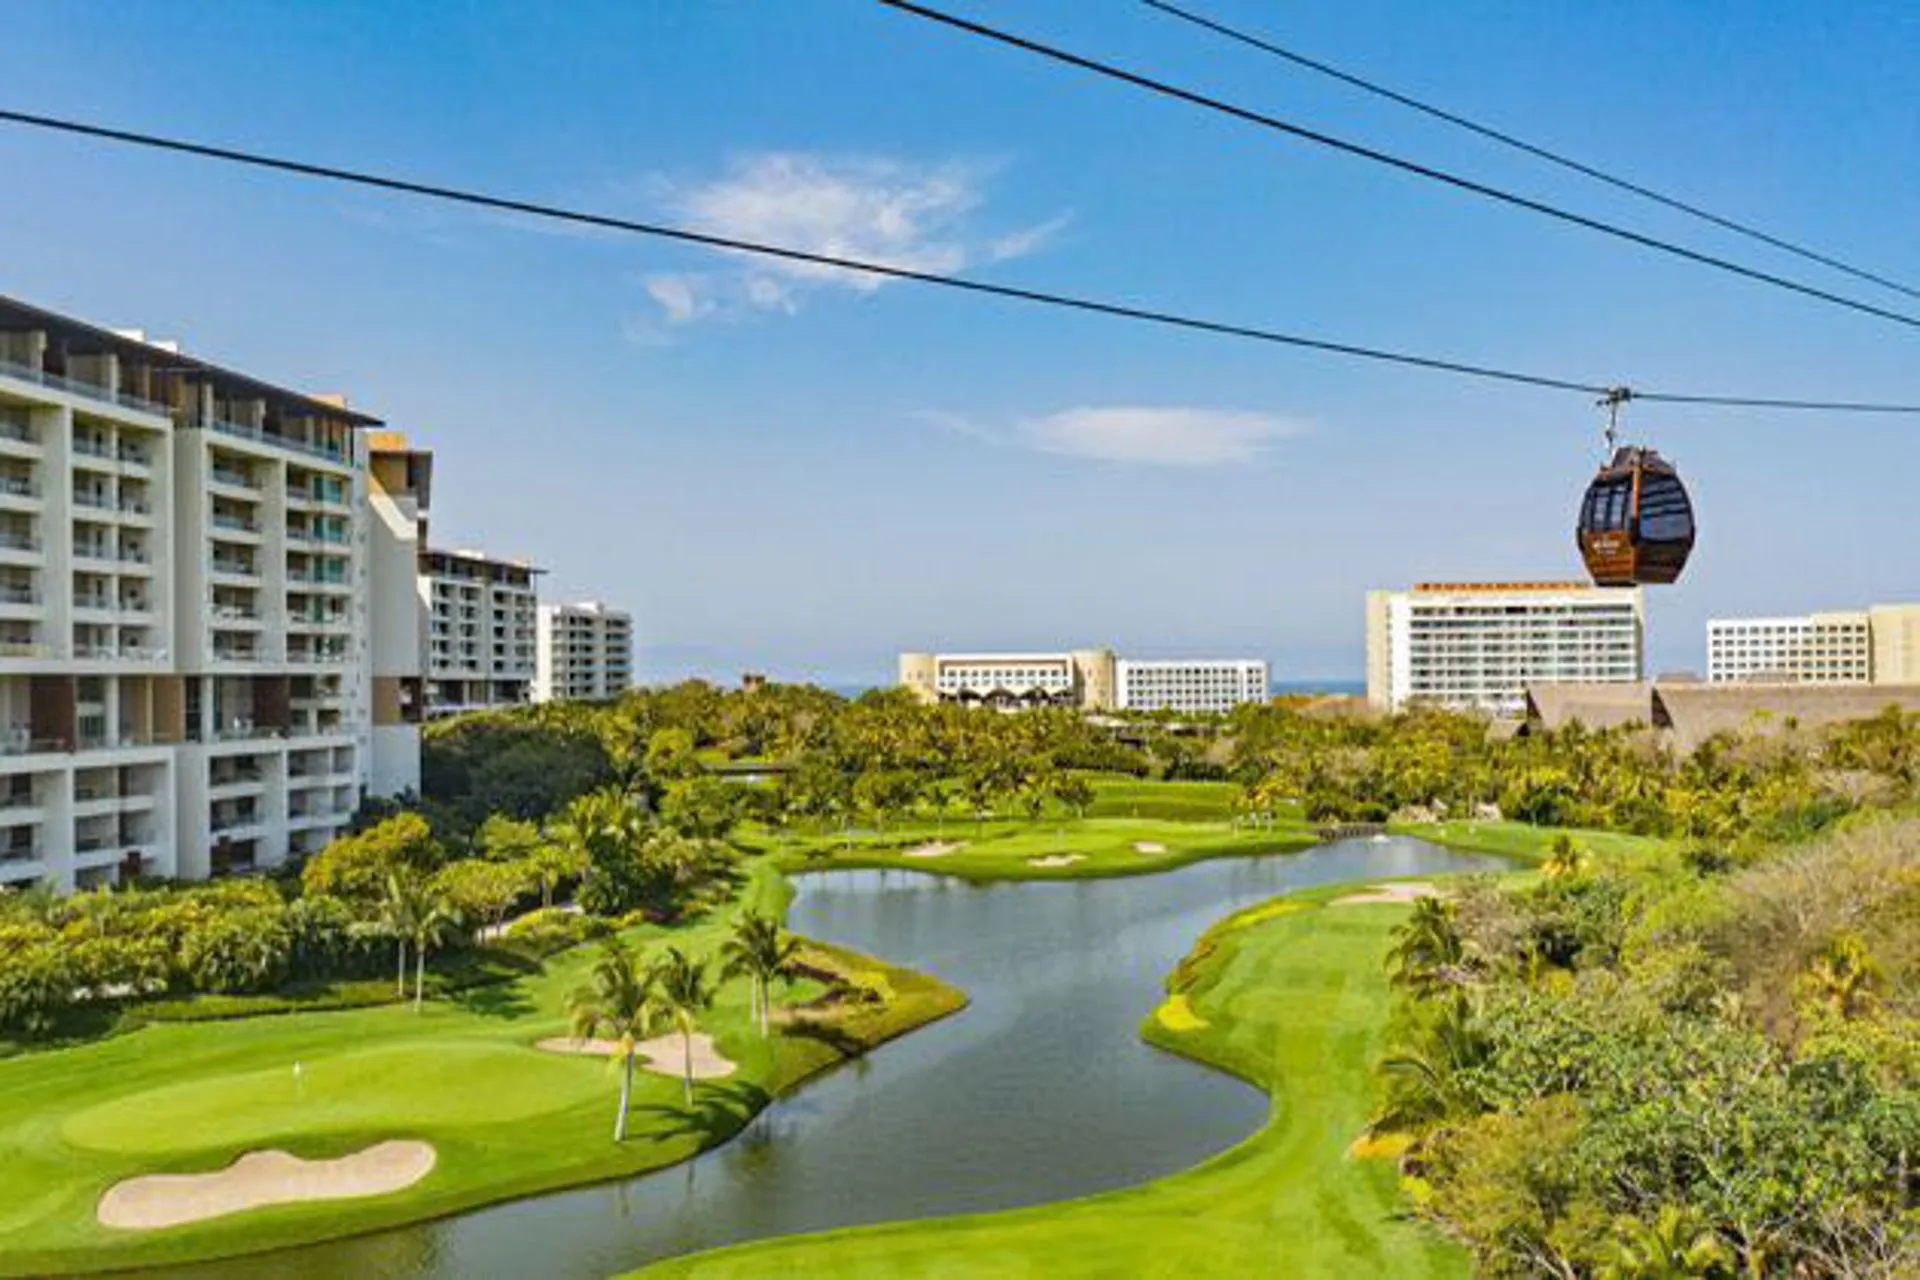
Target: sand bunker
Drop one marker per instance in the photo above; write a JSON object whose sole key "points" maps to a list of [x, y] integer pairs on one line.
{"points": [[1057, 860], [1405, 891], [662, 1054], [1148, 846], [261, 1178], [935, 849]]}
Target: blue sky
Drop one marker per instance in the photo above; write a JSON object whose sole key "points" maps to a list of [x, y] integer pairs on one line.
{"points": [[788, 472]]}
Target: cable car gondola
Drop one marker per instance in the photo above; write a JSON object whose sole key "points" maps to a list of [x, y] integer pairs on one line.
{"points": [[1636, 522]]}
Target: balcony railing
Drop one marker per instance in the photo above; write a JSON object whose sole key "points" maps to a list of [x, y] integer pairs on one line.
{"points": [[92, 391], [137, 456], [11, 594], [229, 476], [332, 453], [19, 487], [239, 524], [92, 447], [18, 541], [17, 432]]}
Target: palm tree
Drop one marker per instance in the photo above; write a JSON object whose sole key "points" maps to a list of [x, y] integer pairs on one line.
{"points": [[616, 1004], [679, 992], [436, 918], [400, 912], [1428, 949], [761, 952], [1676, 1245], [1566, 859]]}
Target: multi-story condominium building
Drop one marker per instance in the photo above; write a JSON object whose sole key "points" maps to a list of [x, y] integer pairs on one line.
{"points": [[1083, 678], [1091, 679], [1877, 645], [482, 628], [1476, 646], [585, 652], [184, 610], [399, 490], [1192, 686]]}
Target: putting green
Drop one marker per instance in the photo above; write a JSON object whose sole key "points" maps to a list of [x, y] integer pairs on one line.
{"points": [[402, 1087]]}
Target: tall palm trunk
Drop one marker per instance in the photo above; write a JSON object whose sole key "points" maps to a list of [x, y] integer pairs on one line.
{"points": [[686, 1059], [760, 993], [626, 1092], [401, 978], [419, 975]]}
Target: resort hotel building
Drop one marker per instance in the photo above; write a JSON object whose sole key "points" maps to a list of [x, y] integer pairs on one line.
{"points": [[1090, 679], [585, 652], [1477, 646], [1876, 645], [482, 617], [187, 634]]}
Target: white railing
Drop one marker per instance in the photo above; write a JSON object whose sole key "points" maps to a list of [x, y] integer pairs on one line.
{"points": [[92, 391]]}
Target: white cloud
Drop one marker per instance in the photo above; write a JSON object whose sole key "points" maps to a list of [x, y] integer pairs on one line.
{"points": [[681, 297], [1172, 436], [894, 212]]}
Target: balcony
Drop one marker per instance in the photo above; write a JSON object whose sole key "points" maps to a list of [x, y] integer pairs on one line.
{"points": [[232, 478], [227, 522], [72, 386], [133, 458], [18, 493], [17, 440], [336, 454]]}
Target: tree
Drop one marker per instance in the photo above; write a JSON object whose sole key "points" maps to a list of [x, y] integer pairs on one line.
{"points": [[482, 891], [1427, 950], [359, 866], [502, 838], [671, 755], [701, 808], [551, 864], [1676, 1245], [418, 916], [615, 1004], [1565, 859], [762, 952], [679, 992], [603, 831]]}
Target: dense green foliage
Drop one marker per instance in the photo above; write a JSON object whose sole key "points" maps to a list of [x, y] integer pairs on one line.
{"points": [[1613, 1071]]}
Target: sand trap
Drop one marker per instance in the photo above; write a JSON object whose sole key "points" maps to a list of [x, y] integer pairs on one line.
{"points": [[261, 1178], [935, 849], [1057, 860], [663, 1054], [1148, 846], [1405, 891]]}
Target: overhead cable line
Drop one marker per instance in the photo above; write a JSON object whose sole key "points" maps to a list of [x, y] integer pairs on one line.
{"points": [[1529, 148], [1377, 156], [734, 244]]}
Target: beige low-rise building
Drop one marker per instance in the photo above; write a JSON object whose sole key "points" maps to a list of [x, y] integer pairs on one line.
{"points": [[1690, 712], [1876, 645]]}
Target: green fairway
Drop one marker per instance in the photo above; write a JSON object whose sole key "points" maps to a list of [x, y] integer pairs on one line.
{"points": [[1292, 997], [1529, 843], [505, 1118]]}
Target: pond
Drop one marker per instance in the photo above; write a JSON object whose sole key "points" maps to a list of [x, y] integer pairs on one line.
{"points": [[1041, 1089]]}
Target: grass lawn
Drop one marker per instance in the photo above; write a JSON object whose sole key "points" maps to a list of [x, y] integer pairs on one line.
{"points": [[1530, 843], [506, 1119], [1020, 850], [1291, 996]]}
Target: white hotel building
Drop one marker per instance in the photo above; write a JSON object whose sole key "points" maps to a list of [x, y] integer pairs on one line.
{"points": [[1195, 686], [1477, 646], [585, 653], [184, 611], [1876, 645], [482, 631], [1091, 679]]}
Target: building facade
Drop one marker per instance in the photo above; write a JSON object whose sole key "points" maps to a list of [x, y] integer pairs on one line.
{"points": [[1877, 645], [1477, 646], [1089, 679], [482, 631], [1191, 686], [184, 611], [585, 653], [399, 492]]}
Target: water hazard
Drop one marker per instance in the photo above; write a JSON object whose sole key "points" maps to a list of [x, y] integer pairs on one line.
{"points": [[1040, 1090]]}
